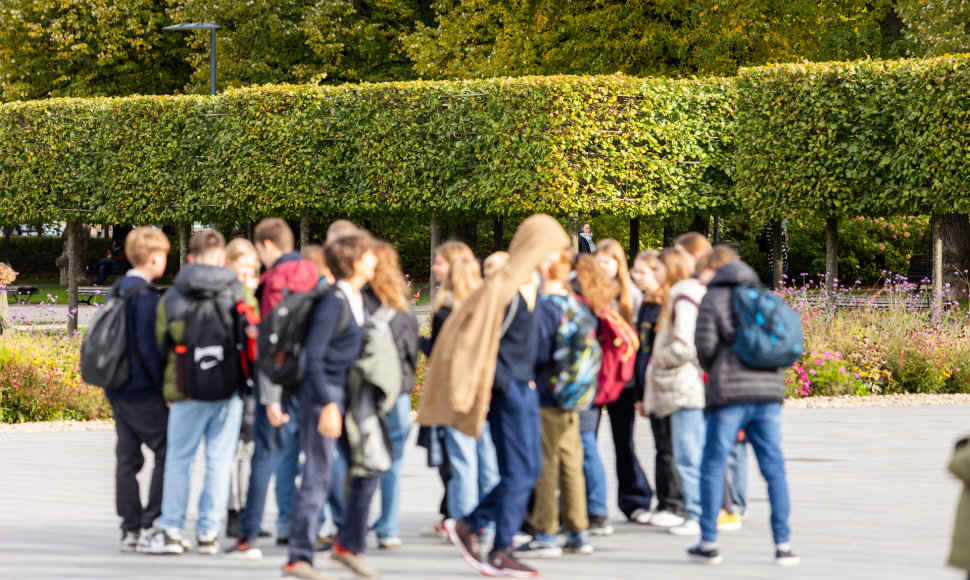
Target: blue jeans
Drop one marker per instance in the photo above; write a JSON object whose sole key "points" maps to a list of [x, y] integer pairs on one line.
{"points": [[188, 422], [269, 453], [514, 421], [106, 266], [762, 425], [593, 469], [398, 424], [474, 470], [687, 432], [737, 476]]}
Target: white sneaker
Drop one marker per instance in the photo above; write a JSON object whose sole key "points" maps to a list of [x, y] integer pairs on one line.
{"points": [[208, 543], [165, 542], [144, 538], [665, 519], [688, 528], [640, 516]]}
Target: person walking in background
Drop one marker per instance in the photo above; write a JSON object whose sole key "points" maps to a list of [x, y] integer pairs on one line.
{"points": [[140, 412], [650, 276], [738, 396], [634, 495], [586, 245], [674, 381]]}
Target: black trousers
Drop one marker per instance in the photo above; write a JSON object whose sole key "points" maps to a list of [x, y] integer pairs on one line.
{"points": [[670, 495], [139, 422], [633, 491]]}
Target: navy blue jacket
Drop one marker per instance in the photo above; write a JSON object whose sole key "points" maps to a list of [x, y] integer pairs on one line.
{"points": [[547, 317], [147, 360], [329, 355], [517, 349], [647, 331]]}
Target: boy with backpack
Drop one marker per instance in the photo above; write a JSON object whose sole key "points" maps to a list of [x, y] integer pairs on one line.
{"points": [[332, 345], [742, 394], [274, 433], [568, 360], [140, 413], [198, 327]]}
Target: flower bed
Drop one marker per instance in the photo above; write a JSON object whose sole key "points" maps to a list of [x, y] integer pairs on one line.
{"points": [[40, 379], [897, 347]]}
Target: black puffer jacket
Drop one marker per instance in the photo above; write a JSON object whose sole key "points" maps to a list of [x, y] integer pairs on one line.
{"points": [[729, 380]]}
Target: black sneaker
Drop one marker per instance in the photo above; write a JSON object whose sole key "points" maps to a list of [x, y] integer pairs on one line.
{"points": [[701, 556], [786, 558], [600, 526], [466, 540], [503, 565]]}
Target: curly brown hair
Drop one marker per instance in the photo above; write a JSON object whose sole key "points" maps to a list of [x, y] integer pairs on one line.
{"points": [[593, 284], [614, 250]]}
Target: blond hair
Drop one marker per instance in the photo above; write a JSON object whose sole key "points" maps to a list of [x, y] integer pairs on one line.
{"points": [[314, 253], [495, 262], [388, 283], [593, 285], [144, 241], [452, 249], [238, 248], [694, 243], [614, 250], [464, 277], [341, 228]]}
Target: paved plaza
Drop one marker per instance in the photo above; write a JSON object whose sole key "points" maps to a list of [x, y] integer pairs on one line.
{"points": [[871, 498]]}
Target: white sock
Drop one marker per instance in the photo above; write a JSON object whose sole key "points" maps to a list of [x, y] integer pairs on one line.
{"points": [[783, 546]]}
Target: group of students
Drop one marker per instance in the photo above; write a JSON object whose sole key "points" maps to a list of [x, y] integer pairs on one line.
{"points": [[521, 364]]}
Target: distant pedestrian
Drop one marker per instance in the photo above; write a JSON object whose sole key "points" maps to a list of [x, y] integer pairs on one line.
{"points": [[586, 244], [960, 467]]}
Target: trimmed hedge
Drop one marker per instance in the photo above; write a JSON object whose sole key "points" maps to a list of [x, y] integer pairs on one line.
{"points": [[499, 147], [872, 138]]}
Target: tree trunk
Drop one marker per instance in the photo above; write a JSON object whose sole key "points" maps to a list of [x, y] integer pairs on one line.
{"points": [[73, 257], [634, 238], [700, 224], [185, 232], [435, 240], [670, 232], [716, 238], [777, 260], [574, 230], [464, 232], [304, 230], [498, 234], [936, 252], [831, 256], [955, 234]]}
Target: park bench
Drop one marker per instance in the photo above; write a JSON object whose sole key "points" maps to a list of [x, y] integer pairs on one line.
{"points": [[87, 294], [882, 301], [920, 270], [22, 294]]}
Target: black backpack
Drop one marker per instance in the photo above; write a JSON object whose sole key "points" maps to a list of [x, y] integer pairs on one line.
{"points": [[209, 361], [105, 360], [281, 336]]}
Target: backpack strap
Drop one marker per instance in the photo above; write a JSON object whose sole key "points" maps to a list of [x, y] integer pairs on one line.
{"points": [[125, 296], [345, 313], [509, 316]]}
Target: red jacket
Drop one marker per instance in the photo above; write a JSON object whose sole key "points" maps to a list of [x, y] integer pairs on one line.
{"points": [[291, 273]]}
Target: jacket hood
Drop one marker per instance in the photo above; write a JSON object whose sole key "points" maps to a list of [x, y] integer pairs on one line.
{"points": [[195, 278], [735, 273], [287, 257], [691, 288]]}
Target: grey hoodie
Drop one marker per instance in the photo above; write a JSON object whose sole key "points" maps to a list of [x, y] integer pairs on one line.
{"points": [[730, 380]]}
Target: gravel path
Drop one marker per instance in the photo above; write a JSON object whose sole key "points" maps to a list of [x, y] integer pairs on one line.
{"points": [[904, 400]]}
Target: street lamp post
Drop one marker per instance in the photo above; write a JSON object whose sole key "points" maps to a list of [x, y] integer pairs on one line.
{"points": [[211, 27]]}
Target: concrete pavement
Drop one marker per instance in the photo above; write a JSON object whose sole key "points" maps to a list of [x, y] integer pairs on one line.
{"points": [[871, 498]]}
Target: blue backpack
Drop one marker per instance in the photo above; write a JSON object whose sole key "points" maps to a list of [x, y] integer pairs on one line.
{"points": [[576, 356], [768, 331]]}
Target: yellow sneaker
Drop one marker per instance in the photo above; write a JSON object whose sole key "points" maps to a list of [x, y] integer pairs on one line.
{"points": [[728, 522]]}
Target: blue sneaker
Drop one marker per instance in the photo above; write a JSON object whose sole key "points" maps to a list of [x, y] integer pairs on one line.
{"points": [[543, 546], [578, 543]]}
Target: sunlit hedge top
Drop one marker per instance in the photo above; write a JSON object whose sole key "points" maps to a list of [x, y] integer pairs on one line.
{"points": [[860, 138], [501, 146]]}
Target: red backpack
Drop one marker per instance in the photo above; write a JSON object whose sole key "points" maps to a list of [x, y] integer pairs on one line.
{"points": [[620, 344]]}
